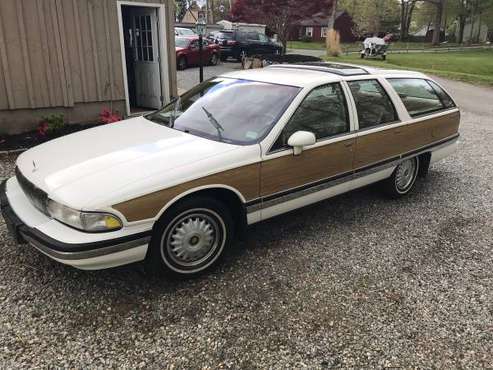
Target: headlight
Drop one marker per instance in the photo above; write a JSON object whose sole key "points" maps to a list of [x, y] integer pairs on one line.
{"points": [[85, 221]]}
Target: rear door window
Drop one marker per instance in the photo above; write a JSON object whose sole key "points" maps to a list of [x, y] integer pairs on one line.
{"points": [[419, 96], [373, 104]]}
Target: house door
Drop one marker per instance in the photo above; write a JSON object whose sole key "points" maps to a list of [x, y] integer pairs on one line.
{"points": [[146, 58]]}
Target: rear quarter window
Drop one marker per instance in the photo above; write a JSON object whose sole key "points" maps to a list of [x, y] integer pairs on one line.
{"points": [[421, 97]]}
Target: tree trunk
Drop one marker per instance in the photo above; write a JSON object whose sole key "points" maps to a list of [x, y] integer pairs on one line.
{"points": [[332, 15], [403, 21], [437, 23], [462, 25]]}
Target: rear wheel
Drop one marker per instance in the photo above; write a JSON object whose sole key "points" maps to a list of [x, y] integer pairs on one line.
{"points": [[191, 237], [403, 179]]}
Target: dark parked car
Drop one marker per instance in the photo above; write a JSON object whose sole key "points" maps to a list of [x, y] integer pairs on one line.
{"points": [[237, 44], [187, 52]]}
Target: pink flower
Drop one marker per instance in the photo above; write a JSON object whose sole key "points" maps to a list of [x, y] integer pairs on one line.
{"points": [[42, 128], [107, 116]]}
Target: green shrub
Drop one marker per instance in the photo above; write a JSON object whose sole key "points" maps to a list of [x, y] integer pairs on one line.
{"points": [[306, 38], [54, 122]]}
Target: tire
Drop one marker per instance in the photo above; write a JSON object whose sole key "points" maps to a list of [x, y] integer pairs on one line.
{"points": [[403, 178], [242, 54], [362, 56], [384, 57], [214, 60], [182, 63], [190, 238]]}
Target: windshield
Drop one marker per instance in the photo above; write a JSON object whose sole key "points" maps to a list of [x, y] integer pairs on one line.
{"points": [[228, 110], [181, 42], [225, 35], [185, 31]]}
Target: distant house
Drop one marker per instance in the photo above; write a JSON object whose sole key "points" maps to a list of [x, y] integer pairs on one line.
{"points": [[315, 27], [77, 57], [425, 33]]}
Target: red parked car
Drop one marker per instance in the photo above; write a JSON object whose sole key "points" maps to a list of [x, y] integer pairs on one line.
{"points": [[187, 52]]}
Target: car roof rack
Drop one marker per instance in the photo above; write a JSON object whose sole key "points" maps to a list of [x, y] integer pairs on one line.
{"points": [[340, 69]]}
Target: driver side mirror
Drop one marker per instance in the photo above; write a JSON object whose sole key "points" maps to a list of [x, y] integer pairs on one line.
{"points": [[300, 139]]}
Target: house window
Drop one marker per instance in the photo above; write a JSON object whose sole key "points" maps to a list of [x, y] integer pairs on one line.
{"points": [[309, 31], [143, 39], [324, 31]]}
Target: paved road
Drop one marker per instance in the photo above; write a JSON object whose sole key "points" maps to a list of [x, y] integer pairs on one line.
{"points": [[358, 281]]}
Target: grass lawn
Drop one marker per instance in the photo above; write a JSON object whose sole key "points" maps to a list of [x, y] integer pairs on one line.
{"points": [[469, 66], [356, 46]]}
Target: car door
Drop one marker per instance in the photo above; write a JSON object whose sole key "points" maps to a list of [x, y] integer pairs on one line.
{"points": [[267, 47], [193, 53], [254, 44], [284, 175], [379, 133]]}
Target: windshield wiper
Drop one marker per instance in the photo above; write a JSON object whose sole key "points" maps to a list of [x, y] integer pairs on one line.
{"points": [[213, 121]]}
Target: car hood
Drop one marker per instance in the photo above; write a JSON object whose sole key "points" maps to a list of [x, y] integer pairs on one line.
{"points": [[82, 169], [179, 49]]}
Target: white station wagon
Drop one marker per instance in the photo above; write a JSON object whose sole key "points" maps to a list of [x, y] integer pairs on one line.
{"points": [[173, 188]]}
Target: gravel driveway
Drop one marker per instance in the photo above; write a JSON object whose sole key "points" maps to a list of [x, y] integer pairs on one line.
{"points": [[356, 281]]}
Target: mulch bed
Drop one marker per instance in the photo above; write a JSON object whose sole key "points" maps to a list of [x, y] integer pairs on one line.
{"points": [[32, 138]]}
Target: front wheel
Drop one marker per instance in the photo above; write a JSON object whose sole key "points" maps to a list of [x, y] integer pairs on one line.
{"points": [[191, 237], [182, 63], [403, 179], [241, 56]]}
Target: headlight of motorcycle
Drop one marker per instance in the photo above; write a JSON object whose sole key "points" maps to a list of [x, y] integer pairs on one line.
{"points": [[85, 221]]}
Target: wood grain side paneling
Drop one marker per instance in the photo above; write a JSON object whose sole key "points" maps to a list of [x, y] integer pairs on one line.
{"points": [[291, 171], [245, 179], [382, 145], [378, 146]]}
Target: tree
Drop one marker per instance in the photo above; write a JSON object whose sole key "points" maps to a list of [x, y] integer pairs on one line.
{"points": [[277, 15], [373, 16], [437, 24], [181, 7], [407, 8]]}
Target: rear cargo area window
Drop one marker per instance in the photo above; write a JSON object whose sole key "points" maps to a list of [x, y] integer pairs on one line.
{"points": [[419, 96]]}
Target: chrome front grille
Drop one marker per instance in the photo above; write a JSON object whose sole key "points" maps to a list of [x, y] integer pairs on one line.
{"points": [[37, 196]]}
